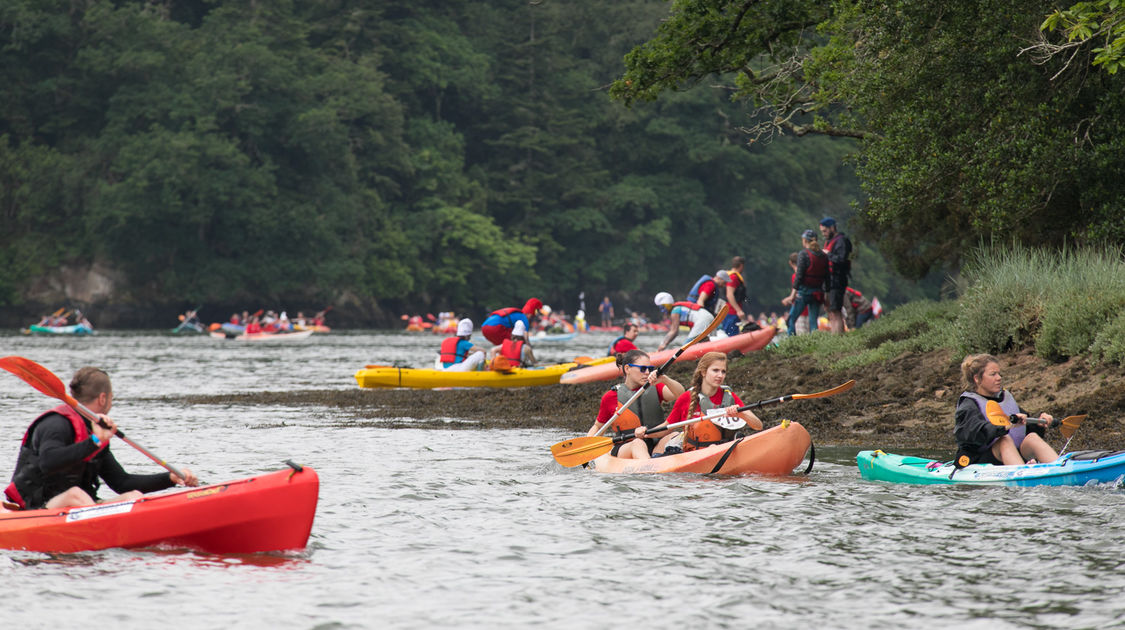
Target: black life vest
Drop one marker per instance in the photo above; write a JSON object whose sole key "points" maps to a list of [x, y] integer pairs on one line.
{"points": [[29, 488]]}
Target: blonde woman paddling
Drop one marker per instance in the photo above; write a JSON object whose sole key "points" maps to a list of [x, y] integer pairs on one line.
{"points": [[980, 440], [706, 393]]}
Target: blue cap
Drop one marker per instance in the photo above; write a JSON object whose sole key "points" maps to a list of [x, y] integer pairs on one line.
{"points": [[808, 235], [828, 222]]}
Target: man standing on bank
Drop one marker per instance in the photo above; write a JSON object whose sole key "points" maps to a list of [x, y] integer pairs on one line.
{"points": [[839, 250]]}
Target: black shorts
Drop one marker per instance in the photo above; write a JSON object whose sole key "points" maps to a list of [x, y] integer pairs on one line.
{"points": [[834, 298]]}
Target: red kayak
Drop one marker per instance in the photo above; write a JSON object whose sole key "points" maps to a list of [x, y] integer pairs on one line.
{"points": [[745, 342], [270, 512]]}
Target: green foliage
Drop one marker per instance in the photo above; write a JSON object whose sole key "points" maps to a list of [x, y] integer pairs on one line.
{"points": [[1060, 303], [420, 154], [1109, 342], [920, 326], [964, 131]]}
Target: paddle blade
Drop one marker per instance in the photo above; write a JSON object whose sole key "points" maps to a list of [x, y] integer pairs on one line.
{"points": [[500, 363], [37, 376], [839, 389], [996, 415], [1070, 424], [581, 450]]}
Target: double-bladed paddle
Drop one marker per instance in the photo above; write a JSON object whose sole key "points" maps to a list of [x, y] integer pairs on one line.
{"points": [[719, 317], [578, 451], [45, 381], [1067, 426]]}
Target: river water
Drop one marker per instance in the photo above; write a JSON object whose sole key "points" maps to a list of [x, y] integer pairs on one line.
{"points": [[481, 529]]}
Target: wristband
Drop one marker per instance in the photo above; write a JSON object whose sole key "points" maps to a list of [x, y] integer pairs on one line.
{"points": [[94, 437]]}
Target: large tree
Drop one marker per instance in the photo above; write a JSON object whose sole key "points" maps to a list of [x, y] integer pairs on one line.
{"points": [[961, 138]]}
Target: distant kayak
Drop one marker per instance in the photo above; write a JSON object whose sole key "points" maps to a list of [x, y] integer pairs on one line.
{"points": [[73, 329], [263, 336], [746, 342], [1072, 469], [382, 376], [543, 337]]}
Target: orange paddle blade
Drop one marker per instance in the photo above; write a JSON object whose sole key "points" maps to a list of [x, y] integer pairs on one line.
{"points": [[839, 389], [580, 450], [500, 363], [1070, 424], [37, 376], [996, 415]]}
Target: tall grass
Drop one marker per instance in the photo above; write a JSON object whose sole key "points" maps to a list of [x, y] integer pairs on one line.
{"points": [[1061, 303], [1055, 301]]}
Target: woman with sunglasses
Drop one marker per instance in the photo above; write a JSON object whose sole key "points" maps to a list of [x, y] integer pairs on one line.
{"points": [[637, 369], [707, 393]]}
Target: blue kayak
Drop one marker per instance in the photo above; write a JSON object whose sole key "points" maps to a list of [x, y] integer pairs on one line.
{"points": [[1072, 469]]}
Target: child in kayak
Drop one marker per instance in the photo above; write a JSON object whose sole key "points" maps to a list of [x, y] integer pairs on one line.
{"points": [[707, 392], [637, 368], [979, 440]]}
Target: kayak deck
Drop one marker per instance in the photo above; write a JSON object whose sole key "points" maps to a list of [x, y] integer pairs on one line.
{"points": [[377, 376], [774, 451]]}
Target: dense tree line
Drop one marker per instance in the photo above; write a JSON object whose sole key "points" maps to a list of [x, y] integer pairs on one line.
{"points": [[973, 123], [411, 154]]}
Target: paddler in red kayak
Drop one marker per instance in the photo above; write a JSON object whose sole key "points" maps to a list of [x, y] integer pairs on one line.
{"points": [[499, 324], [638, 369], [63, 455], [707, 393]]}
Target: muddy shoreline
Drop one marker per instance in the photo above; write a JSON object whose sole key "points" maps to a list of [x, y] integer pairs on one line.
{"points": [[904, 403]]}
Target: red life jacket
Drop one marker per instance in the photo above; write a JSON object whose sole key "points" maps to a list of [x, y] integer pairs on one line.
{"points": [[692, 305], [28, 460], [512, 350], [817, 271], [449, 350]]}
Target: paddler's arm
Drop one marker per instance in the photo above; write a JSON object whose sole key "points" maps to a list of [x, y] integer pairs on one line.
{"points": [[673, 330]]}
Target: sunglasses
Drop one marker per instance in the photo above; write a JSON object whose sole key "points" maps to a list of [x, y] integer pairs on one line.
{"points": [[643, 368]]}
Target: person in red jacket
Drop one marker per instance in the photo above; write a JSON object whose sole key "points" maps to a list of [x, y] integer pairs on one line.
{"points": [[625, 342]]}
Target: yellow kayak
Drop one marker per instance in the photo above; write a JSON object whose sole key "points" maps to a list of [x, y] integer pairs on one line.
{"points": [[422, 378]]}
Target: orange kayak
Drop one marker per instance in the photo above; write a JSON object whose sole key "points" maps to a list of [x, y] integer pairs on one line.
{"points": [[774, 451], [270, 512], [746, 342]]}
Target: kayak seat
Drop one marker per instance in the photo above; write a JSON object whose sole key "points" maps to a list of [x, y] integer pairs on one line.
{"points": [[1083, 456]]}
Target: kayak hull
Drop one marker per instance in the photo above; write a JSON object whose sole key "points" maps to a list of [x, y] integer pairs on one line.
{"points": [[377, 376], [745, 342], [73, 329], [288, 336], [774, 451], [1072, 469], [270, 512]]}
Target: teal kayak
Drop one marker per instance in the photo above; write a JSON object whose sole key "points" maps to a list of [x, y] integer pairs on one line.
{"points": [[1072, 469], [74, 329]]}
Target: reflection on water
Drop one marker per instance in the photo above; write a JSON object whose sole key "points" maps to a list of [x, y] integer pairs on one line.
{"points": [[424, 528]]}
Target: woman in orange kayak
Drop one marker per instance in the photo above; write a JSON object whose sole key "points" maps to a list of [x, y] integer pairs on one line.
{"points": [[637, 368], [707, 392]]}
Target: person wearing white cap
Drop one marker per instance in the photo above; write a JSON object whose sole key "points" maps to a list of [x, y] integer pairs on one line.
{"points": [[516, 349], [689, 313], [458, 354]]}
